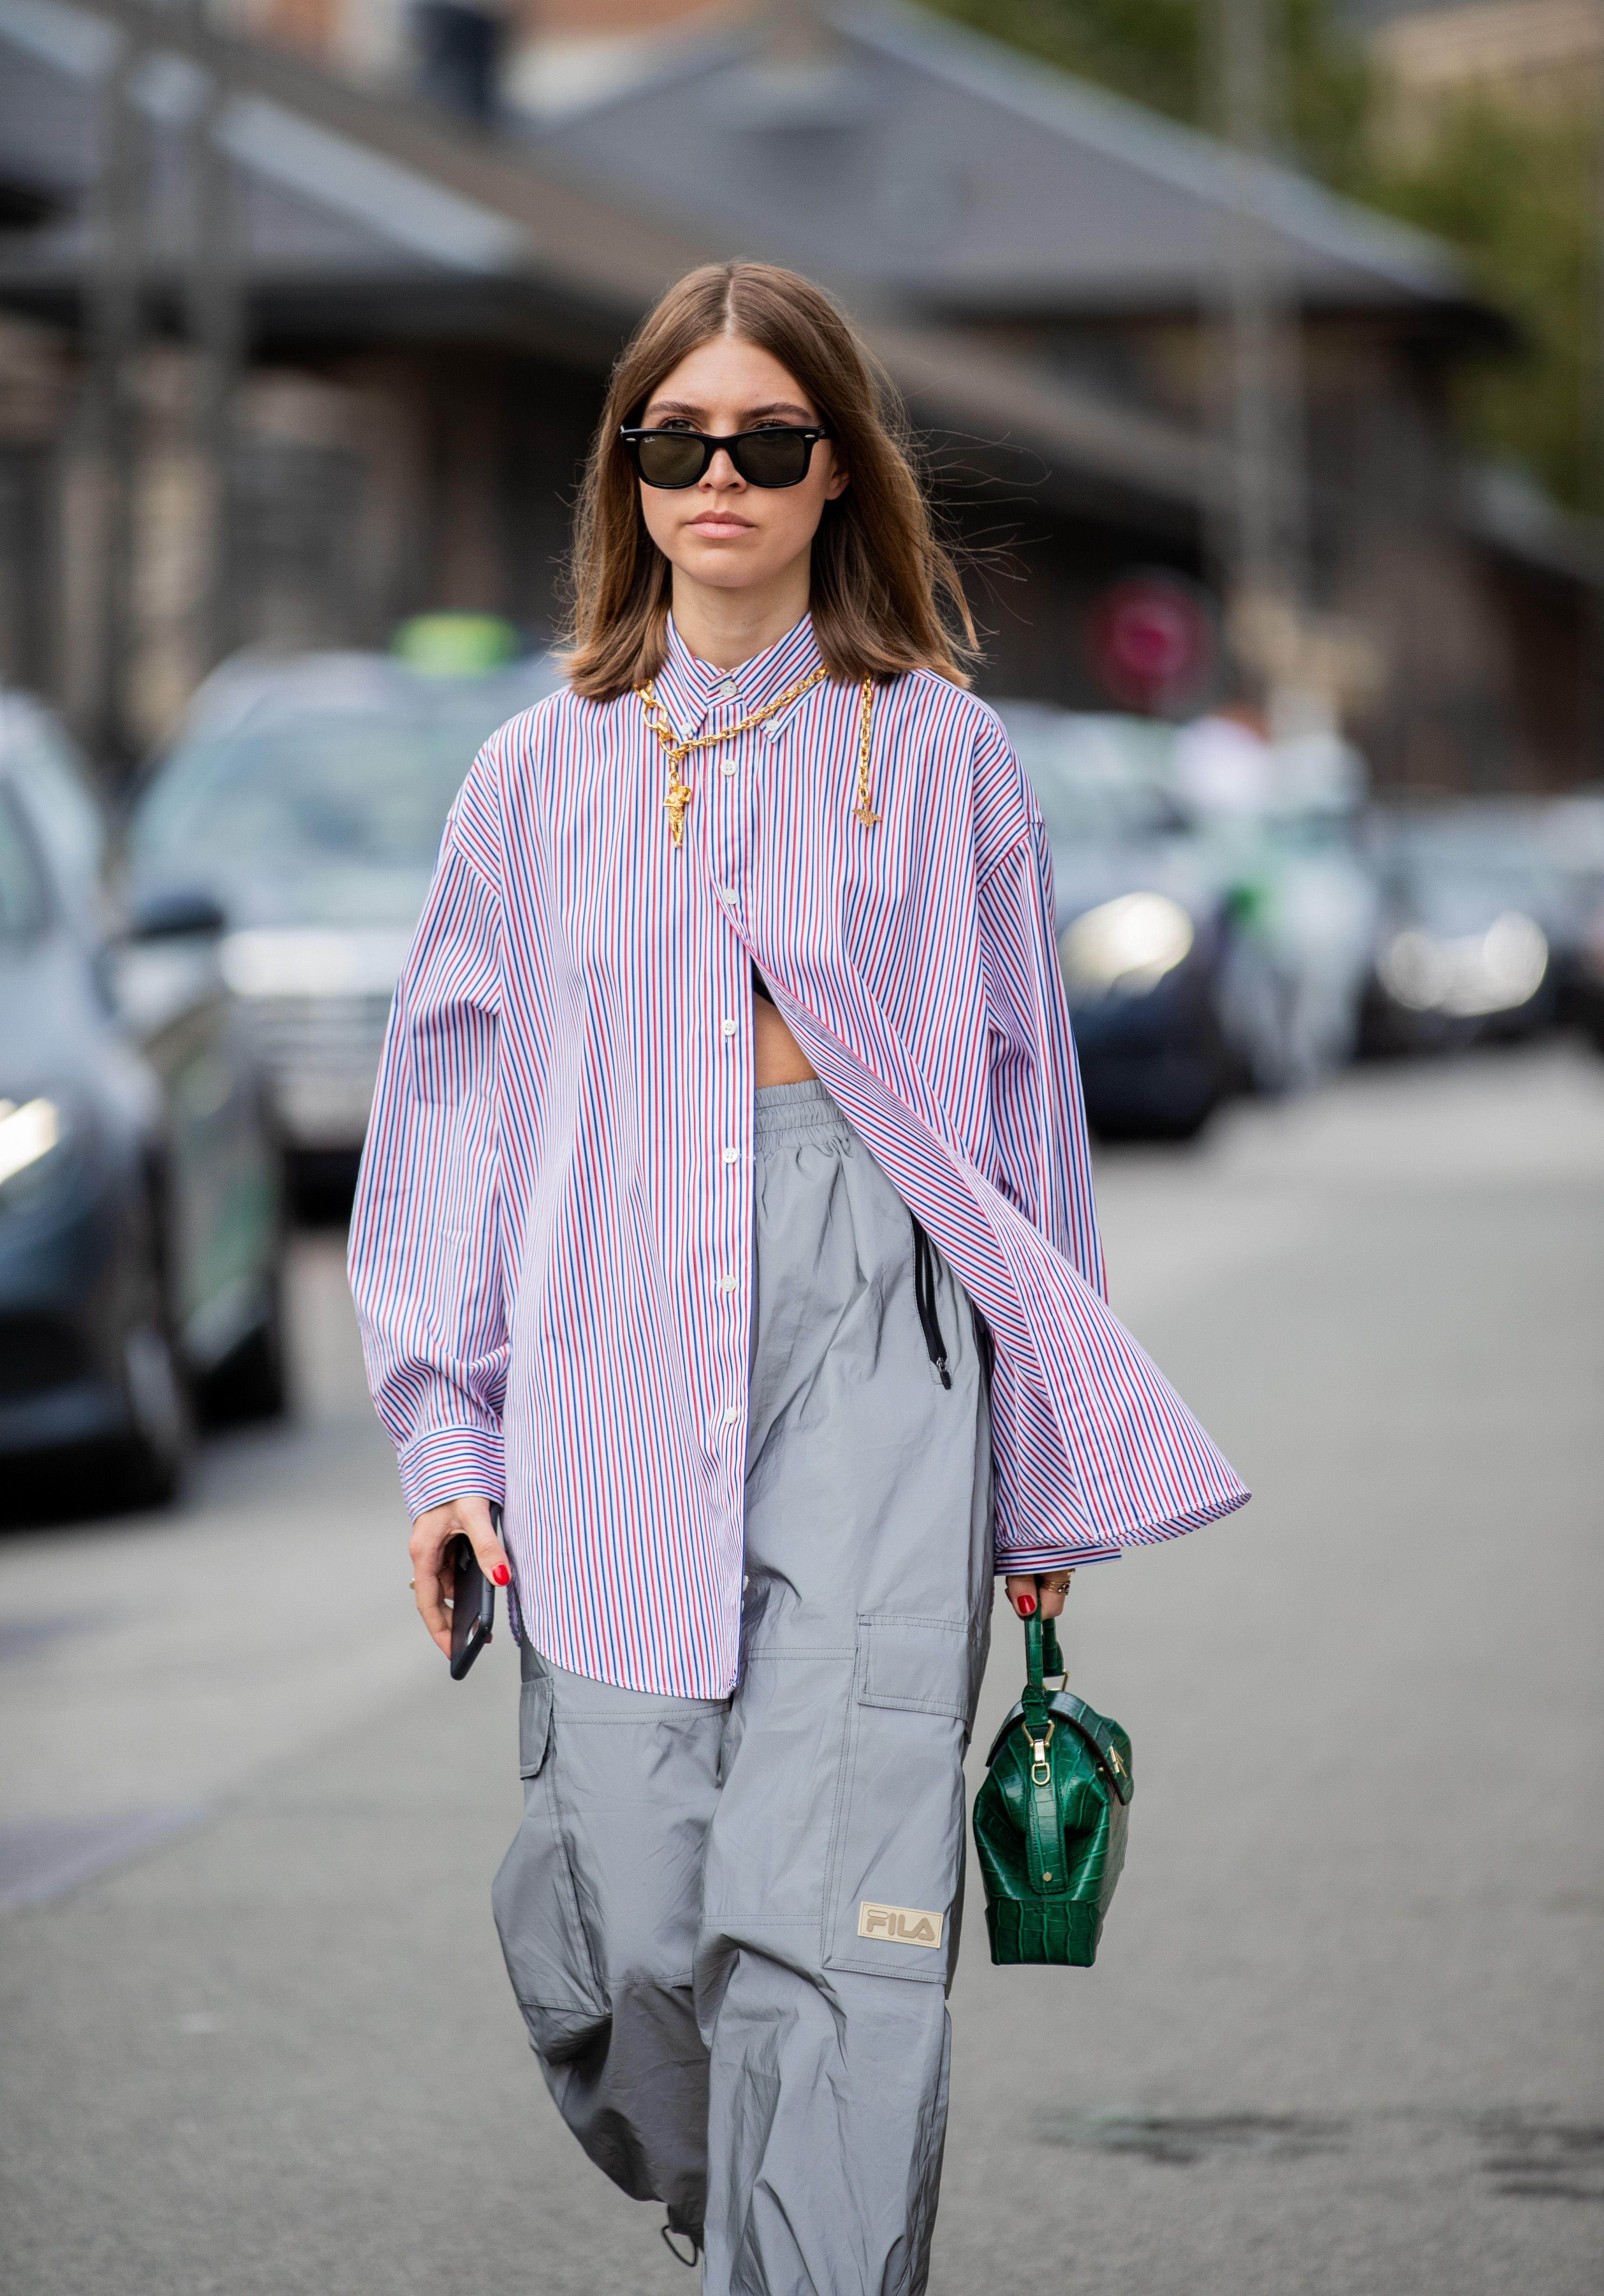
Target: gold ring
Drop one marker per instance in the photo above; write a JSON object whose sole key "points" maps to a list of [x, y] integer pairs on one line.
{"points": [[412, 1585]]}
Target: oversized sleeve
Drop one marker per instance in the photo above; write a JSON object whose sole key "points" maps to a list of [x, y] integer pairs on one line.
{"points": [[425, 1261], [1038, 1117]]}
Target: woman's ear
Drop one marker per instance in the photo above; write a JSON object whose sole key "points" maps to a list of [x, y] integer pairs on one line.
{"points": [[841, 478]]}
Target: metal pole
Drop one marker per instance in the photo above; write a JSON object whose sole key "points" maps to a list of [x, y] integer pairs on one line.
{"points": [[116, 324], [217, 322], [1593, 742], [1266, 550]]}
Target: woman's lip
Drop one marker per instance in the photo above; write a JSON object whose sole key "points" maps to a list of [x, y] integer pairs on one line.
{"points": [[715, 522]]}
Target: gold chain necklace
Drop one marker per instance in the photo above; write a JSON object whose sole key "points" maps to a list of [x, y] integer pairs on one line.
{"points": [[680, 791]]}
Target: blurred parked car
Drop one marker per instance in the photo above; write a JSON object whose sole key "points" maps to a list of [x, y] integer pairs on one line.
{"points": [[1473, 917], [140, 1227], [1144, 930], [307, 798]]}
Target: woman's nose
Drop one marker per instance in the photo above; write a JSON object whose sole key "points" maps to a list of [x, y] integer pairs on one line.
{"points": [[721, 471]]}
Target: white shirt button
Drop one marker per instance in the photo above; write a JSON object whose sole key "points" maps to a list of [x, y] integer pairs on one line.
{"points": [[729, 689], [732, 1155], [729, 1027], [728, 893], [727, 765], [732, 1415], [727, 1282]]}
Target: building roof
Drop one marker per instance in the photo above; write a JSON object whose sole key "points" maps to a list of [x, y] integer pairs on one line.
{"points": [[936, 181], [922, 167], [335, 189], [360, 216]]}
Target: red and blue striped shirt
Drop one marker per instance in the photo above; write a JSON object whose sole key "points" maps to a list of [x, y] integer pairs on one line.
{"points": [[552, 1246]]}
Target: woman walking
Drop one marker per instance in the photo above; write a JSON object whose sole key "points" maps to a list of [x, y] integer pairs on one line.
{"points": [[727, 1217]]}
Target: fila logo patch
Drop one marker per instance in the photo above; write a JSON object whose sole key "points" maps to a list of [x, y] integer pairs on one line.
{"points": [[898, 1924]]}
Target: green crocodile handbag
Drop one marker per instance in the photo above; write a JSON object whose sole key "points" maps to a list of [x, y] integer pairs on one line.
{"points": [[1050, 1819]]}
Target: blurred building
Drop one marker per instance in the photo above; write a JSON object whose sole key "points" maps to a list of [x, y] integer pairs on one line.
{"points": [[307, 331]]}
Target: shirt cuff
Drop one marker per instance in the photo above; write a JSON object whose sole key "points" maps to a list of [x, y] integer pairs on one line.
{"points": [[1022, 1559], [452, 1462]]}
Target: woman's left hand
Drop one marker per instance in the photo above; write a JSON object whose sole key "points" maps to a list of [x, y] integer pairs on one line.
{"points": [[1032, 1590]]}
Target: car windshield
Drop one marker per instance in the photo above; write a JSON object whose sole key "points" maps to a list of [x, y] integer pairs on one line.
{"points": [[1084, 809], [1455, 899], [21, 891], [1455, 873], [1093, 777], [60, 792], [350, 790]]}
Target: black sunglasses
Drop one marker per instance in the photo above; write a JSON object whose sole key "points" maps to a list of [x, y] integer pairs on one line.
{"points": [[778, 457]]}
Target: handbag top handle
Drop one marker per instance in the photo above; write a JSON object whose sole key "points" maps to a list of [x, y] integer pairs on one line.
{"points": [[1042, 1657]]}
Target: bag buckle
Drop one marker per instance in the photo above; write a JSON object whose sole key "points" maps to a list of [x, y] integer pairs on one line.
{"points": [[1041, 1770]]}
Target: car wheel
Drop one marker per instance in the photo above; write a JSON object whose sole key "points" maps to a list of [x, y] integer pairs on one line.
{"points": [[147, 1466], [253, 1383]]}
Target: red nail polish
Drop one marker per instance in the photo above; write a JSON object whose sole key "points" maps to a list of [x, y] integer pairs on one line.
{"points": [[1026, 1604], [501, 1574]]}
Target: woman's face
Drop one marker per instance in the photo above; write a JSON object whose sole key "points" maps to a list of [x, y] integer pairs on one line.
{"points": [[722, 531]]}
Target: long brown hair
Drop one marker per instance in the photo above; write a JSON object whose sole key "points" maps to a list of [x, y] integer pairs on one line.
{"points": [[885, 595]]}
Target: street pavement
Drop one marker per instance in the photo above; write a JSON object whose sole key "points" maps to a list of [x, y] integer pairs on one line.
{"points": [[1343, 2034]]}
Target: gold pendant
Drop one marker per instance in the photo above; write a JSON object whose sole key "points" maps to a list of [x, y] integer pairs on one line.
{"points": [[679, 796]]}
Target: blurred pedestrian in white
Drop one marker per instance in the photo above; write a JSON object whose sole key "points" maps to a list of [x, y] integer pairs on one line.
{"points": [[1279, 818]]}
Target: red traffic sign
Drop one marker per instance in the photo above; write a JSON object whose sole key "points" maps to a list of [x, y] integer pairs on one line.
{"points": [[1153, 644]]}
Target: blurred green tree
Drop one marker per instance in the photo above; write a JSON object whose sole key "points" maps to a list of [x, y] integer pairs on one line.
{"points": [[1149, 50], [1518, 194], [1159, 53]]}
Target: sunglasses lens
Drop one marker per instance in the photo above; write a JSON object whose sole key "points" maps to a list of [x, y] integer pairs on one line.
{"points": [[670, 459], [777, 458]]}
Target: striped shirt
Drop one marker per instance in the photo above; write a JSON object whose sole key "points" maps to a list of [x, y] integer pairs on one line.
{"points": [[552, 1246]]}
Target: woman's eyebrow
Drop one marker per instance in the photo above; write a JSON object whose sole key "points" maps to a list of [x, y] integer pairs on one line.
{"points": [[690, 414]]}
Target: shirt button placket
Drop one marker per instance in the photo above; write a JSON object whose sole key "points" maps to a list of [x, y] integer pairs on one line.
{"points": [[731, 1208]]}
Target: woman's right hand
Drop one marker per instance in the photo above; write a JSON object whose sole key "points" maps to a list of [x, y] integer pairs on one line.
{"points": [[1026, 1588], [431, 1535]]}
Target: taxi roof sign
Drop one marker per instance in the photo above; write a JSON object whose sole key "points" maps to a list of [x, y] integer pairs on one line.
{"points": [[457, 645]]}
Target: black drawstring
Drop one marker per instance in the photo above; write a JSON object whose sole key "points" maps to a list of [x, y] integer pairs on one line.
{"points": [[671, 2232], [985, 1344], [924, 1292]]}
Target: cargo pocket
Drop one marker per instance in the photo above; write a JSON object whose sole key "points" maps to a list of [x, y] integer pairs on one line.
{"points": [[536, 1907], [534, 1725], [896, 1848]]}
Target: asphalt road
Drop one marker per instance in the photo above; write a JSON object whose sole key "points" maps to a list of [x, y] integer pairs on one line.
{"points": [[1344, 2036]]}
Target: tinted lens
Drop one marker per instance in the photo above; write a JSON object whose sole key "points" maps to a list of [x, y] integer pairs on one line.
{"points": [[671, 458], [772, 458]]}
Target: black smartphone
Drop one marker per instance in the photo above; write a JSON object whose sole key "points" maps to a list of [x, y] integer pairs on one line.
{"points": [[473, 1606]]}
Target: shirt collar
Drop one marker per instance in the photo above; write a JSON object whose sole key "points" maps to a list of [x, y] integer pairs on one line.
{"points": [[691, 689]]}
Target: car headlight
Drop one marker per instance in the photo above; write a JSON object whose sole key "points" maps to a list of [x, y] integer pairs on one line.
{"points": [[1468, 975], [1124, 947], [33, 1134]]}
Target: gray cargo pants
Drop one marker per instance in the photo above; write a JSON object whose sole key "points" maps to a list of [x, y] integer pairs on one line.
{"points": [[731, 1923]]}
